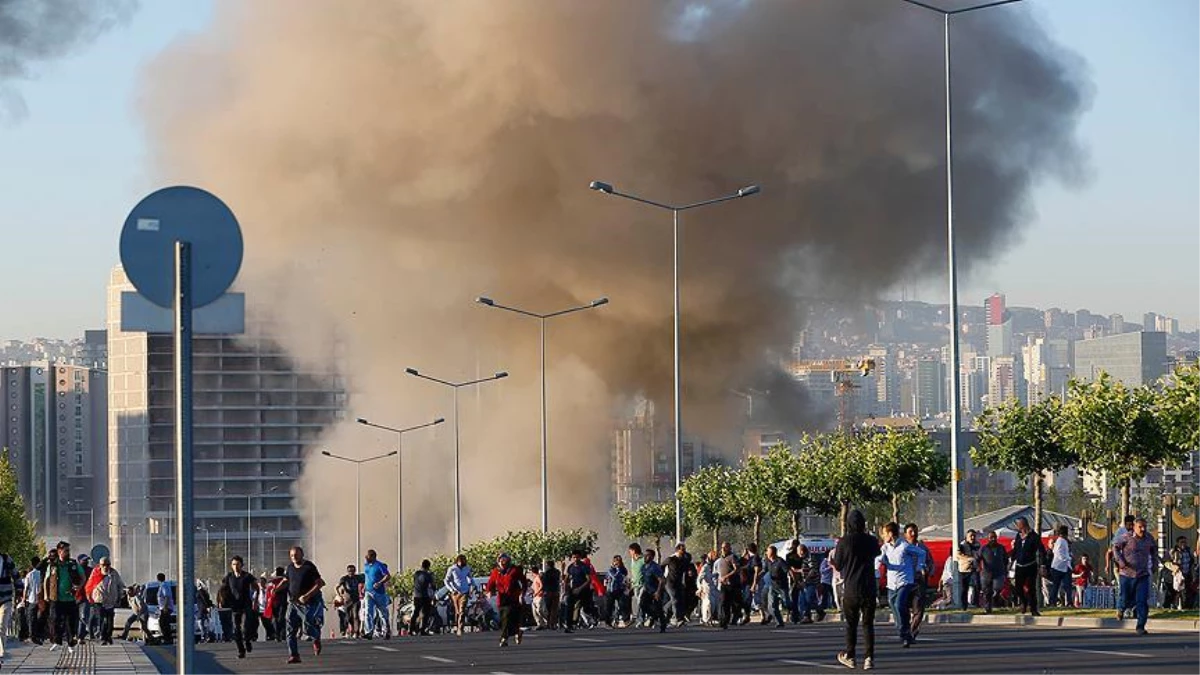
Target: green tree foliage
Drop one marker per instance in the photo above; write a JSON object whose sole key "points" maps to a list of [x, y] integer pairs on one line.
{"points": [[18, 537], [652, 521], [528, 548], [785, 471], [1025, 441], [759, 492], [708, 497], [1178, 407], [903, 462], [1117, 430], [835, 474]]}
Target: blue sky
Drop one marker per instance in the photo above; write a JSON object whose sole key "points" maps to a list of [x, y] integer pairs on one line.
{"points": [[1128, 242]]}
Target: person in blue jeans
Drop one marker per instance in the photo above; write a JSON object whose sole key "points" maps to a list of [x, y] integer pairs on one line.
{"points": [[900, 559], [306, 607], [1136, 555], [375, 580]]}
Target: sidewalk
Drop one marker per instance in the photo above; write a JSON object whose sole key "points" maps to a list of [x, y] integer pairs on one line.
{"points": [[88, 659]]}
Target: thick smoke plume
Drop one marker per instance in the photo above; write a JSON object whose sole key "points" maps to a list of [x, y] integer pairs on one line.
{"points": [[390, 161], [37, 31]]}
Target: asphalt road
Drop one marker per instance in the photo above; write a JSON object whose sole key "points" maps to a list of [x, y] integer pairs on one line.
{"points": [[744, 649]]}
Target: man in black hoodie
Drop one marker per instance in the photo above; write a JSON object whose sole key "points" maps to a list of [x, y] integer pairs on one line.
{"points": [[237, 592], [854, 559]]}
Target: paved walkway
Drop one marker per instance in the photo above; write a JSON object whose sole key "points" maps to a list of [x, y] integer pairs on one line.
{"points": [[87, 659]]}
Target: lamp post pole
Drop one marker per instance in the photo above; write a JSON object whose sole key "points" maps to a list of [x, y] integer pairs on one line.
{"points": [[358, 491], [455, 386], [608, 189], [400, 478], [956, 509], [542, 355]]}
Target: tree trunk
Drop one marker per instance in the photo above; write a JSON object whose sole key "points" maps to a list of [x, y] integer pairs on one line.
{"points": [[795, 524], [1036, 486], [845, 513], [896, 508], [757, 530], [716, 537], [1125, 499], [658, 548]]}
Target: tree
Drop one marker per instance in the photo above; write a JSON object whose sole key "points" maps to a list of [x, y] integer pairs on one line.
{"points": [[835, 475], [653, 520], [707, 497], [784, 467], [18, 536], [1178, 407], [1117, 431], [758, 493], [904, 462], [1025, 441]]}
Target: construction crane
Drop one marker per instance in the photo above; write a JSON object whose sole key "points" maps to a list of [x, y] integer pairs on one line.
{"points": [[844, 386]]}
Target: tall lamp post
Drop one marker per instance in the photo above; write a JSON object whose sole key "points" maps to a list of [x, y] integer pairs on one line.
{"points": [[956, 527], [92, 525], [542, 332], [358, 492], [608, 189], [400, 478], [455, 386]]}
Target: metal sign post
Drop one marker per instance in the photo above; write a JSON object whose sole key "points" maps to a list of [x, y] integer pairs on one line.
{"points": [[183, 453], [181, 247]]}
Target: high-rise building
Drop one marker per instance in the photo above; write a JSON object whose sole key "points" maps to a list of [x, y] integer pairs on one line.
{"points": [[1166, 324], [1000, 339], [887, 380], [1002, 382], [995, 311], [929, 388], [1116, 324], [1132, 358], [1150, 321], [255, 416], [56, 434]]}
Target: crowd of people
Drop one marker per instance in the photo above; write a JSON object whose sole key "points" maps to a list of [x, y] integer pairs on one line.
{"points": [[63, 599]]}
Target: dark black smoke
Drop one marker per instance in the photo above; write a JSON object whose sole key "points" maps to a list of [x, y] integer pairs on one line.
{"points": [[34, 32]]}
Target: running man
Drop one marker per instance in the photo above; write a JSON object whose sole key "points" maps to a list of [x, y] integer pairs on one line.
{"points": [[350, 588], [375, 579], [854, 559], [238, 587], [305, 605], [901, 561], [460, 582]]}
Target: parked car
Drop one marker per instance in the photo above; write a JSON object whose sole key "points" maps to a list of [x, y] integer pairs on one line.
{"points": [[482, 612]]}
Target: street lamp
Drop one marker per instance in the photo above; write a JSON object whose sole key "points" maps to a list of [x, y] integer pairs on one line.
{"points": [[400, 478], [542, 327], [455, 386], [608, 189], [956, 524], [358, 492], [92, 524]]}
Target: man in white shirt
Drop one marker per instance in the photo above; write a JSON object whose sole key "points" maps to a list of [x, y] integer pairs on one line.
{"points": [[1060, 568], [33, 584], [901, 560]]}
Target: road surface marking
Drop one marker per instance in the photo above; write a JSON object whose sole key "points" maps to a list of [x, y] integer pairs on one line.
{"points": [[1102, 651], [589, 640], [929, 639], [679, 648], [810, 664], [437, 659], [385, 649], [796, 631]]}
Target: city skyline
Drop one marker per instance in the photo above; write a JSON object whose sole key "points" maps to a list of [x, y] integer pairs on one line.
{"points": [[83, 127]]}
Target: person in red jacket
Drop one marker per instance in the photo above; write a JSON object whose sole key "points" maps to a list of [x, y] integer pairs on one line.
{"points": [[507, 584]]}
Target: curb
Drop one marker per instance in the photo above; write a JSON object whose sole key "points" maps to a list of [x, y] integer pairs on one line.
{"points": [[1163, 625]]}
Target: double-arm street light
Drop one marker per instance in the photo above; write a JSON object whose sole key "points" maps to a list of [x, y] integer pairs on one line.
{"points": [[455, 386], [542, 324], [608, 189], [400, 478], [956, 527], [358, 493]]}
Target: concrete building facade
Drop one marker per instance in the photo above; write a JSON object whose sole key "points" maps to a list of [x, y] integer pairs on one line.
{"points": [[1132, 358]]}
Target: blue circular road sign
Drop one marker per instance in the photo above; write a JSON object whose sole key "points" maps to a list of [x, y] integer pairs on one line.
{"points": [[181, 213]]}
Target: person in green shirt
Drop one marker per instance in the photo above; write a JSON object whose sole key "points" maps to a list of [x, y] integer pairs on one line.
{"points": [[64, 579], [636, 563]]}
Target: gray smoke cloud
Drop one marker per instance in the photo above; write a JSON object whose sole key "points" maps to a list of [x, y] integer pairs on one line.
{"points": [[390, 161], [33, 32]]}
